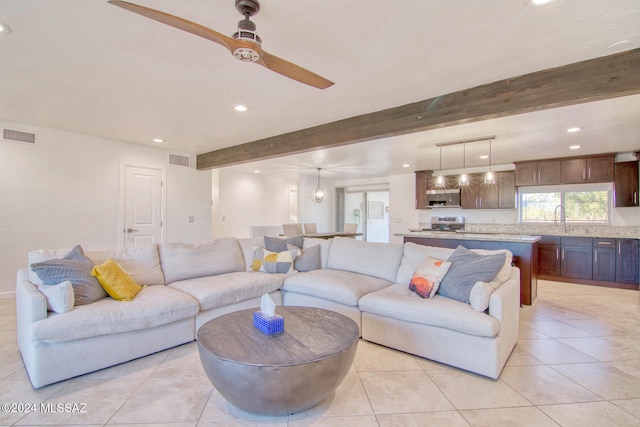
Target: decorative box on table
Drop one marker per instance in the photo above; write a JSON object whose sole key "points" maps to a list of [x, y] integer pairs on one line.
{"points": [[268, 325]]}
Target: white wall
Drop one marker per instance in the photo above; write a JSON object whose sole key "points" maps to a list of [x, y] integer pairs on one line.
{"points": [[402, 202], [246, 200], [64, 190]]}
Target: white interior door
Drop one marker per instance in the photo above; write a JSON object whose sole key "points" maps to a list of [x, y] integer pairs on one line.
{"points": [[142, 206]]}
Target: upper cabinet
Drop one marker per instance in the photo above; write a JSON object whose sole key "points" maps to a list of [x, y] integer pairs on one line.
{"points": [[589, 169], [478, 195], [570, 170], [626, 184], [538, 172]]}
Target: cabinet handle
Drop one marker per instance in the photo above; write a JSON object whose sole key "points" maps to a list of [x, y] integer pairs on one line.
{"points": [[635, 197], [595, 256], [604, 243], [538, 176], [619, 248], [557, 253], [563, 254], [584, 174]]}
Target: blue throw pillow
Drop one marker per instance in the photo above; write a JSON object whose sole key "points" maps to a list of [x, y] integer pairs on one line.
{"points": [[76, 268], [467, 268]]}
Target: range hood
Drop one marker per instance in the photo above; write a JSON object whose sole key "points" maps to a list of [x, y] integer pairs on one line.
{"points": [[443, 198]]}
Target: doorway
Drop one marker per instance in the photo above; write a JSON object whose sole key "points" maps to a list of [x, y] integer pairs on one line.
{"points": [[368, 209], [142, 206]]}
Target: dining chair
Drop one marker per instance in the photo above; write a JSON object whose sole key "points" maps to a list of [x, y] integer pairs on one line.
{"points": [[350, 227], [299, 227], [310, 228], [290, 230]]}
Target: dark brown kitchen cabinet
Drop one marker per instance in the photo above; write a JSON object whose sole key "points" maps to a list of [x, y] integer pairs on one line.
{"points": [[422, 185], [604, 259], [549, 256], [627, 261], [478, 195], [626, 184], [506, 189], [538, 172], [576, 260], [588, 169]]}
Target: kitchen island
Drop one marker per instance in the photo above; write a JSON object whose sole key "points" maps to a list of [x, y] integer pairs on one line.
{"points": [[523, 247]]}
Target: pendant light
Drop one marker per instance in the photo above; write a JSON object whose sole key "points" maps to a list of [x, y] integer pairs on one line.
{"points": [[464, 178], [490, 176], [439, 178], [318, 194]]}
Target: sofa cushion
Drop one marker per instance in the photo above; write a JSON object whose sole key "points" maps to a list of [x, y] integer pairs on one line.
{"points": [[181, 261], [118, 284], [325, 246], [398, 302], [229, 288], [505, 272], [467, 268], [142, 263], [75, 267], [59, 297], [246, 246], [153, 306], [309, 259], [274, 262], [426, 280], [277, 244], [373, 259], [344, 287], [413, 255]]}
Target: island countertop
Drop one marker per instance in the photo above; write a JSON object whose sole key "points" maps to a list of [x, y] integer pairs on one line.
{"points": [[471, 235]]}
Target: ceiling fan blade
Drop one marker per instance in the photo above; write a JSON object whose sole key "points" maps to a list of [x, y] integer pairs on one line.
{"points": [[177, 22], [293, 71]]}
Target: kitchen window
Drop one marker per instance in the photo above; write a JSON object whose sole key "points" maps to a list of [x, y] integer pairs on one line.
{"points": [[576, 204]]}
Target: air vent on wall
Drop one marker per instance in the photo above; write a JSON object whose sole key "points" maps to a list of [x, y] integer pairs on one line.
{"points": [[176, 159], [16, 135]]}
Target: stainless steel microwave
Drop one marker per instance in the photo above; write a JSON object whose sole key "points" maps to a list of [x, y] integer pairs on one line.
{"points": [[443, 198]]}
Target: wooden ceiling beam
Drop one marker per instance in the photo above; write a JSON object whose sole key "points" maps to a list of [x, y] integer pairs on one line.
{"points": [[592, 80]]}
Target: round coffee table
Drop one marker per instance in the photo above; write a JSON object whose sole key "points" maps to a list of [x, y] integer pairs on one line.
{"points": [[282, 373]]}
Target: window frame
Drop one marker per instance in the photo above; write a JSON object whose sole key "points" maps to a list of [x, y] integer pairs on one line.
{"points": [[567, 188]]}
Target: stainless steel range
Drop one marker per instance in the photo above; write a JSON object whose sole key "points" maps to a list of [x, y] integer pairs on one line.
{"points": [[447, 223]]}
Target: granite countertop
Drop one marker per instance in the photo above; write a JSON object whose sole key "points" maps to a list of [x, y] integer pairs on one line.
{"points": [[471, 235], [504, 232]]}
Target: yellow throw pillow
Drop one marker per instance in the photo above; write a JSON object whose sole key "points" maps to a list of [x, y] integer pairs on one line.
{"points": [[118, 284]]}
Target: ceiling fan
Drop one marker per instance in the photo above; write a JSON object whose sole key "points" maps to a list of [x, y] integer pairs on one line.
{"points": [[245, 44]]}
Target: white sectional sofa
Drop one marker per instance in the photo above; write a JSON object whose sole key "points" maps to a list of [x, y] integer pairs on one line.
{"points": [[186, 285]]}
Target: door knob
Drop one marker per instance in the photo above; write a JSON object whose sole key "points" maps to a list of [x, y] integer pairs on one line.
{"points": [[130, 230]]}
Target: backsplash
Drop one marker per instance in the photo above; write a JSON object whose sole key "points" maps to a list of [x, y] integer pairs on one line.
{"points": [[589, 230]]}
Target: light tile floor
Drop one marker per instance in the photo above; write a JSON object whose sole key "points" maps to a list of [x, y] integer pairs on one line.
{"points": [[577, 364]]}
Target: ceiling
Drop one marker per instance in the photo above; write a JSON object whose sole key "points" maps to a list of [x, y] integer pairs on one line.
{"points": [[93, 68]]}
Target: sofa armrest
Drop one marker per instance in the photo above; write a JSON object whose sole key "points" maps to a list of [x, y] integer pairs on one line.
{"points": [[504, 305], [31, 306]]}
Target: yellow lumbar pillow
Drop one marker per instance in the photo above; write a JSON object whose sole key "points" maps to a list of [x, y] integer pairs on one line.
{"points": [[118, 284]]}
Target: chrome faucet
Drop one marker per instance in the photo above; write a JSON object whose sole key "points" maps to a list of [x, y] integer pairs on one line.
{"points": [[563, 217]]}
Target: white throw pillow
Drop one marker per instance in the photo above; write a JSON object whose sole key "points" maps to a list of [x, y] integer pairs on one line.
{"points": [[60, 297], [428, 275]]}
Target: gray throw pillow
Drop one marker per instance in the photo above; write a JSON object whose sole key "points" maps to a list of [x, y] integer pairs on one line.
{"points": [[76, 268], [275, 244], [309, 259], [467, 268]]}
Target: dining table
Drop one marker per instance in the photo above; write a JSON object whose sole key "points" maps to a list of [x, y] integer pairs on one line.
{"points": [[331, 234]]}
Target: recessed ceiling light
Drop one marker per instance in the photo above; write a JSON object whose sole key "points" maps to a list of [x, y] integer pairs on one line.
{"points": [[574, 129], [406, 165], [4, 28], [256, 171], [537, 2], [575, 147], [484, 156], [158, 140], [618, 43], [241, 108]]}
